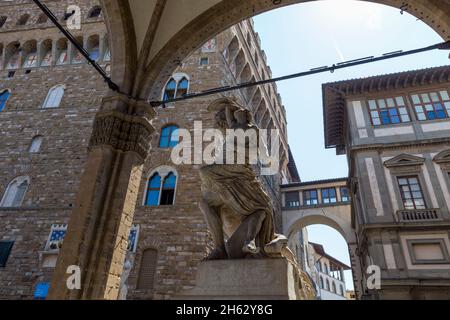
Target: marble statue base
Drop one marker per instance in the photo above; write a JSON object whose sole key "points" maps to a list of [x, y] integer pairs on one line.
{"points": [[250, 279]]}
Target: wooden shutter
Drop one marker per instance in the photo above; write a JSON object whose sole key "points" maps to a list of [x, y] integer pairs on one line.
{"points": [[5, 249], [148, 269]]}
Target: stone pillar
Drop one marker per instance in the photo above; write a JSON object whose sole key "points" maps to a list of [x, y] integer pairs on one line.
{"points": [[97, 235]]}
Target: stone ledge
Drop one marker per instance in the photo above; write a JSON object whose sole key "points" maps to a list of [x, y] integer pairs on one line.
{"points": [[251, 279]]}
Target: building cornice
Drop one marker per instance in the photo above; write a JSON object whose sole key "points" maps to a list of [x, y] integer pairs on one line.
{"points": [[336, 94]]}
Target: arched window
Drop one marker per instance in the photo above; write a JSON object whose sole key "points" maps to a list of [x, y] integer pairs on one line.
{"points": [[183, 86], [176, 87], [62, 53], [95, 12], [169, 137], [328, 285], [23, 19], [161, 187], [15, 192], [171, 88], [13, 56], [168, 190], [30, 54], [154, 188], [333, 287], [3, 20], [147, 269], [35, 145], [47, 54], [54, 97], [4, 96], [321, 282], [342, 290]]}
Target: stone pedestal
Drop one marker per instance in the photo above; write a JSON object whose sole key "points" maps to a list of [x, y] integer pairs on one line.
{"points": [[254, 279]]}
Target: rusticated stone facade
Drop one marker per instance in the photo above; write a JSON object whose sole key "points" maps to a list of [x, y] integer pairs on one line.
{"points": [[177, 233]]}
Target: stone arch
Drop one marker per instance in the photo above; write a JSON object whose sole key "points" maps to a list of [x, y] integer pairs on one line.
{"points": [[119, 22], [240, 63], [29, 48], [62, 52], [261, 111], [163, 172], [46, 53], [213, 19], [256, 99], [325, 216], [246, 74], [12, 55]]}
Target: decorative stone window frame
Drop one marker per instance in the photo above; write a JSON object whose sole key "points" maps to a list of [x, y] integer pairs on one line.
{"points": [[177, 77], [419, 236], [443, 160], [45, 105], [163, 172], [440, 241], [408, 165], [19, 180]]}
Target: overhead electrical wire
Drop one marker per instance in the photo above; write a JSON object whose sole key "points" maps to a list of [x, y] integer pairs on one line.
{"points": [[341, 65]]}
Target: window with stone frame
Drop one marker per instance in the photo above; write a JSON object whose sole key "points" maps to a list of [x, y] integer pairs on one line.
{"points": [[169, 137], [431, 105], [292, 199], [310, 197], [329, 195], [411, 192], [161, 188], [15, 192], [4, 97], [35, 145], [345, 194], [176, 87], [388, 111], [54, 97]]}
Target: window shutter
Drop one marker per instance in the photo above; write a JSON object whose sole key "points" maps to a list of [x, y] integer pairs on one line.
{"points": [[148, 269], [5, 249]]}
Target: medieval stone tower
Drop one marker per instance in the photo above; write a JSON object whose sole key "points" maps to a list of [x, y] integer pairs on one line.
{"points": [[48, 98]]}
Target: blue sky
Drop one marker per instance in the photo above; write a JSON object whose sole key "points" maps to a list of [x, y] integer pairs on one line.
{"points": [[304, 36]]}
